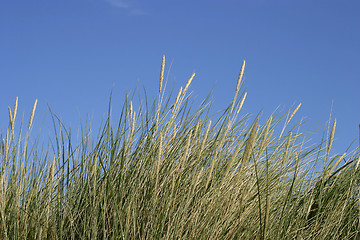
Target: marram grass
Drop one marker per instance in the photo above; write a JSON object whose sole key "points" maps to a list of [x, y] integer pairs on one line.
{"points": [[168, 171]]}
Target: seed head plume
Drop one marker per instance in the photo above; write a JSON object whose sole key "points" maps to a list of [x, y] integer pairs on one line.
{"points": [[162, 73], [240, 77], [12, 119], [331, 139], [10, 115], [32, 114], [131, 109], [15, 107], [238, 88], [241, 103], [12, 124], [188, 84], [293, 113]]}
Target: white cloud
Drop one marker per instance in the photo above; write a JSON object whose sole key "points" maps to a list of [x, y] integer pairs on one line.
{"points": [[129, 5], [119, 3], [138, 12]]}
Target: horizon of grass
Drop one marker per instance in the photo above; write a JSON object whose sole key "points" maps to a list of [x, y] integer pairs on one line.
{"points": [[167, 171]]}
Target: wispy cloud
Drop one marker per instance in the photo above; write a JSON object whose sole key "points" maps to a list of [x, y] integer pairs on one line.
{"points": [[128, 5], [138, 12], [119, 3]]}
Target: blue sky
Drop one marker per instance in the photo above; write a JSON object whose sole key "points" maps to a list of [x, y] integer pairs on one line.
{"points": [[70, 54]]}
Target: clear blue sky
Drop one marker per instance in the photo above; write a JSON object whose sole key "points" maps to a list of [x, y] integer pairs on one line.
{"points": [[70, 54]]}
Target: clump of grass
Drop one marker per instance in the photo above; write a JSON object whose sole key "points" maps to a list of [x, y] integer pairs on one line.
{"points": [[167, 171]]}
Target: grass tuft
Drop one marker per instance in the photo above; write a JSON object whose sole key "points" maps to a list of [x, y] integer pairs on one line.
{"points": [[169, 171]]}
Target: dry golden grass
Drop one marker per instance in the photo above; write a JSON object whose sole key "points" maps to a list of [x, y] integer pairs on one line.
{"points": [[170, 172]]}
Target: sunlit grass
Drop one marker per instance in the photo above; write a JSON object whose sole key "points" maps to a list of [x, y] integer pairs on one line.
{"points": [[168, 171]]}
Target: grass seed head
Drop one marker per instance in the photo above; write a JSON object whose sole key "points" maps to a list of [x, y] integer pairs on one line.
{"points": [[240, 77], [10, 115], [15, 108], [293, 113], [162, 73], [241, 103], [12, 124], [132, 119], [331, 139], [131, 109], [32, 114], [188, 83]]}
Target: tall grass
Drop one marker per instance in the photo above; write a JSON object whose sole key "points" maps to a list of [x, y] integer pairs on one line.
{"points": [[168, 171]]}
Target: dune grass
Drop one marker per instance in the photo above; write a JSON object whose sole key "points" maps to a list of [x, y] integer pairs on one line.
{"points": [[168, 171]]}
